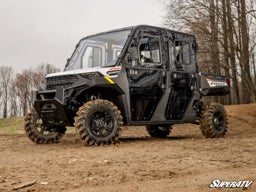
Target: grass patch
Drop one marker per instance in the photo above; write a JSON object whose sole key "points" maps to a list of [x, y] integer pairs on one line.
{"points": [[12, 125]]}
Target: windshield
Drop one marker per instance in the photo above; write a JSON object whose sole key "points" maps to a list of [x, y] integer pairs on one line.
{"points": [[98, 51]]}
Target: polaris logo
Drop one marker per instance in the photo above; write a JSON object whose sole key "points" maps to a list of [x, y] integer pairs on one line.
{"points": [[230, 184]]}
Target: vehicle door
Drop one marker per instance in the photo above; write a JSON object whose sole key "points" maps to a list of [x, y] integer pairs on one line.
{"points": [[182, 62], [146, 73]]}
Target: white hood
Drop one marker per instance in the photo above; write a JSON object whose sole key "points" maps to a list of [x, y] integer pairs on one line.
{"points": [[103, 71]]}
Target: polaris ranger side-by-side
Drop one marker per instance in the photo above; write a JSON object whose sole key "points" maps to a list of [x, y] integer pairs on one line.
{"points": [[140, 75]]}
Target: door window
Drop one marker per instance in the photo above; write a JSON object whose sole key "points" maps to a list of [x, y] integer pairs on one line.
{"points": [[182, 56], [149, 51]]}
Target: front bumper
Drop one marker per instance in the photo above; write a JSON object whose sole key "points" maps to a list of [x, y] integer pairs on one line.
{"points": [[50, 107]]}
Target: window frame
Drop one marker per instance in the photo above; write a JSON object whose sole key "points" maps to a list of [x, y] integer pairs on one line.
{"points": [[183, 66], [150, 64]]}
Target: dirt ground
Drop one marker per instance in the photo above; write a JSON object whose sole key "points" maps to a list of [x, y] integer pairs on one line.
{"points": [[185, 161]]}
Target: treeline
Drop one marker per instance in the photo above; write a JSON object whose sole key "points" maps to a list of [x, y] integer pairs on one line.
{"points": [[226, 33], [17, 90]]}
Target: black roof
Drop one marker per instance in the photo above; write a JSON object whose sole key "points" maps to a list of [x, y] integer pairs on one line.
{"points": [[137, 27]]}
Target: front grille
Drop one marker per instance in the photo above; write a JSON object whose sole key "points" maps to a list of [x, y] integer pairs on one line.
{"points": [[64, 81]]}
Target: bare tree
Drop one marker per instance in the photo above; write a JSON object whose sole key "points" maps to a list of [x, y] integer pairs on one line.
{"points": [[5, 78], [231, 51], [23, 89], [13, 100]]}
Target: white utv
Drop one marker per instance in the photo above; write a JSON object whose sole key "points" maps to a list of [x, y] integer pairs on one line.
{"points": [[140, 75]]}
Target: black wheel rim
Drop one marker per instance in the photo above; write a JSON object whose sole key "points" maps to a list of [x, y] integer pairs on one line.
{"points": [[102, 124], [218, 121], [41, 128]]}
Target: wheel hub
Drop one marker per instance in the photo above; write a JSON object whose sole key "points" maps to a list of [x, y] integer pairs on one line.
{"points": [[99, 123], [218, 121], [102, 124]]}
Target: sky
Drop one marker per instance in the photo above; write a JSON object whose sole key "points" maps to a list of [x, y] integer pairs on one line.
{"points": [[33, 32]]}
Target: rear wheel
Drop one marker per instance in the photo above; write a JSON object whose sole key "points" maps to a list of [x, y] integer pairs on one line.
{"points": [[158, 131], [38, 132], [99, 122], [213, 120]]}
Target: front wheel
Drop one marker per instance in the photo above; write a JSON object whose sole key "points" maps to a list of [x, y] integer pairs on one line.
{"points": [[213, 120], [98, 122], [38, 132]]}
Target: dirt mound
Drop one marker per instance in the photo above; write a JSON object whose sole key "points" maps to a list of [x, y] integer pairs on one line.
{"points": [[185, 161], [245, 114]]}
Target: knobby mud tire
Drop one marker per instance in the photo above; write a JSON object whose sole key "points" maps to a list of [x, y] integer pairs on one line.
{"points": [[99, 122], [158, 131], [35, 135], [213, 120]]}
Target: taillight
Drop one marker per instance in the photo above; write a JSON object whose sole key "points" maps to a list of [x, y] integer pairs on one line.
{"points": [[228, 82]]}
